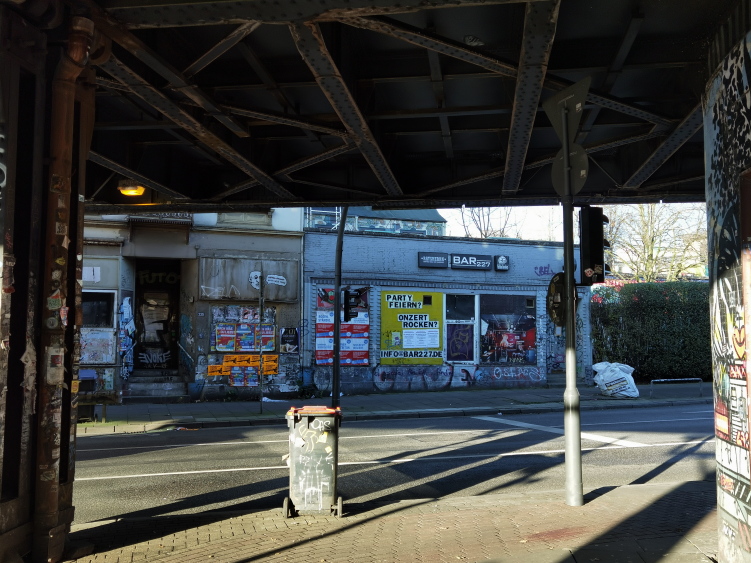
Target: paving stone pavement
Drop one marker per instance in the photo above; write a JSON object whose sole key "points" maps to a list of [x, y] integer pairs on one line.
{"points": [[643, 523], [640, 523]]}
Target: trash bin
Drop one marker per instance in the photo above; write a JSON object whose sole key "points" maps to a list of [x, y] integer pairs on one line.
{"points": [[313, 456]]}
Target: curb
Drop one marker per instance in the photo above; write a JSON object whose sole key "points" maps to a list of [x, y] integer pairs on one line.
{"points": [[387, 415]]}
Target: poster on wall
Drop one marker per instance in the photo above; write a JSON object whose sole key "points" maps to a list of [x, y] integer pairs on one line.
{"points": [[411, 327], [289, 340], [268, 338], [245, 340], [354, 335], [98, 346], [235, 328], [243, 369], [226, 334]]}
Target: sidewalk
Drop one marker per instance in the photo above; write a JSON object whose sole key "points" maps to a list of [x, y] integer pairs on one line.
{"points": [[465, 402], [634, 523]]}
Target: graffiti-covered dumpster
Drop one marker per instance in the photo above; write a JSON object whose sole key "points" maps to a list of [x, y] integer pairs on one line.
{"points": [[313, 457]]}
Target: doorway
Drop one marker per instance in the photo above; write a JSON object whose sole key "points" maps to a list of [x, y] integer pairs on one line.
{"points": [[157, 302]]}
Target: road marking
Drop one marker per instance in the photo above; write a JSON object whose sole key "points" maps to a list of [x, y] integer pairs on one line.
{"points": [[400, 460], [553, 430], [164, 446], [649, 421]]}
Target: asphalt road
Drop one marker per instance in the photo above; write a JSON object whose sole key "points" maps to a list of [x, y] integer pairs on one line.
{"points": [[241, 468]]}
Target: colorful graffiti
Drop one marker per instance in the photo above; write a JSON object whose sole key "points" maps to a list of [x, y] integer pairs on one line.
{"points": [[727, 126]]}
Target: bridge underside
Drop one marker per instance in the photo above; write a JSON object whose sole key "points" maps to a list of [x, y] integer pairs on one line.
{"points": [[248, 104]]}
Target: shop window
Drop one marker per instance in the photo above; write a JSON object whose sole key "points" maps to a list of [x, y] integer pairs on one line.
{"points": [[98, 309], [460, 307], [507, 329]]}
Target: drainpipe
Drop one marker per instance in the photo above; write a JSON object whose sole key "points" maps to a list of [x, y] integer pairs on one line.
{"points": [[49, 531]]}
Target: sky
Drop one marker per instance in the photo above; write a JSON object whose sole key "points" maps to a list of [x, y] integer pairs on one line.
{"points": [[533, 223]]}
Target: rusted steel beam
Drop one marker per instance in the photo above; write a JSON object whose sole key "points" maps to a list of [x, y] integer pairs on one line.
{"points": [[49, 527], [428, 41], [467, 54], [176, 13], [540, 23], [674, 141], [220, 48], [172, 111], [133, 175], [86, 96], [123, 37], [313, 49], [287, 170], [285, 120]]}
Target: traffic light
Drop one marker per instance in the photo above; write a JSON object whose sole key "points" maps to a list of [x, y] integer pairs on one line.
{"points": [[592, 245]]}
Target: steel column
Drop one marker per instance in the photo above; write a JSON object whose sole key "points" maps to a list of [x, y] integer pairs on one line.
{"points": [[49, 531]]}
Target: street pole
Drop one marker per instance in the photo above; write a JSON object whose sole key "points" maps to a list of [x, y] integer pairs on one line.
{"points": [[571, 415], [261, 307], [335, 373]]}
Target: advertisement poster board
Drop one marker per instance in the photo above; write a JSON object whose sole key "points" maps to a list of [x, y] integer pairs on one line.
{"points": [[355, 334], [411, 327]]}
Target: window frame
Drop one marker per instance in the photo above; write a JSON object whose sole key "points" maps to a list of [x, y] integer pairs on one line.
{"points": [[113, 320]]}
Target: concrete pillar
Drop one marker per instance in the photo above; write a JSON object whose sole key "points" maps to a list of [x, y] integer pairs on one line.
{"points": [[727, 133]]}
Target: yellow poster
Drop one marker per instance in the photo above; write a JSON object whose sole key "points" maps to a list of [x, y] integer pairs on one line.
{"points": [[411, 327]]}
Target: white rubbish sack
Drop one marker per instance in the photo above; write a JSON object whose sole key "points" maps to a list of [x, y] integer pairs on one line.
{"points": [[615, 380]]}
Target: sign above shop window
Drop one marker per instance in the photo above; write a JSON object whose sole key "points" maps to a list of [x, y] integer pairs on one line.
{"points": [[432, 260], [502, 263], [471, 261]]}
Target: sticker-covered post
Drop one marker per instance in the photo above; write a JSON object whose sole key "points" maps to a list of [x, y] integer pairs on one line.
{"points": [[570, 169], [50, 521]]}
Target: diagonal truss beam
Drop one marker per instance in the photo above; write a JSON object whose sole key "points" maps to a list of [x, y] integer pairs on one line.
{"points": [[220, 48], [287, 170], [143, 14], [616, 66], [313, 49], [272, 85], [120, 35], [133, 175], [436, 80], [499, 172], [458, 51], [539, 30], [126, 94], [675, 140], [172, 111], [285, 120]]}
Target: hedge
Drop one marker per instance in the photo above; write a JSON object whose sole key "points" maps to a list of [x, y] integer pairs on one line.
{"points": [[659, 329]]}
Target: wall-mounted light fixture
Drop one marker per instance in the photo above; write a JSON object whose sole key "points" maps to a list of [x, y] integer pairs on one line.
{"points": [[129, 187]]}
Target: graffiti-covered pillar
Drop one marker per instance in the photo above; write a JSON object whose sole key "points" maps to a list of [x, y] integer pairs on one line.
{"points": [[727, 136]]}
